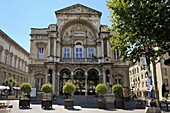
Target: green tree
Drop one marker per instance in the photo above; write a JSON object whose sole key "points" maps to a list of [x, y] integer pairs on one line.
{"points": [[101, 89], [141, 26]]}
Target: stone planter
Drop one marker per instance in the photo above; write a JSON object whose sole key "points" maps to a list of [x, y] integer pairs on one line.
{"points": [[129, 104], [24, 103], [46, 104], [68, 103], [119, 104], [101, 103]]}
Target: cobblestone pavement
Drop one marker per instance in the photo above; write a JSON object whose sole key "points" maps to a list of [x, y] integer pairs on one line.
{"points": [[36, 108]]}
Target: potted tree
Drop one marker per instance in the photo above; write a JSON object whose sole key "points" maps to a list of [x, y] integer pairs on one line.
{"points": [[117, 90], [24, 101], [46, 101], [68, 88], [101, 89]]}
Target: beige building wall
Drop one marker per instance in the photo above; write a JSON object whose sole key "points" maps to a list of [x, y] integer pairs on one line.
{"points": [[138, 78], [13, 60]]}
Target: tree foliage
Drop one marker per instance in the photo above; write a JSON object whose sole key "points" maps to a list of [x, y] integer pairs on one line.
{"points": [[117, 88], [140, 24], [26, 87], [101, 89], [69, 87], [46, 88]]}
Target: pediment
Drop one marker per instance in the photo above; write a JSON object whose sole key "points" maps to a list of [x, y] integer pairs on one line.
{"points": [[78, 9]]}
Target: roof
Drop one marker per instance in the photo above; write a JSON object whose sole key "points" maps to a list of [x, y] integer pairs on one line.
{"points": [[75, 6]]}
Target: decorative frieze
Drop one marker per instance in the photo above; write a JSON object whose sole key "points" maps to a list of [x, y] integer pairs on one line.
{"points": [[41, 44]]}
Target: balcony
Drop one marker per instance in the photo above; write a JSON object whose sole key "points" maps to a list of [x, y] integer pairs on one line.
{"points": [[78, 60]]}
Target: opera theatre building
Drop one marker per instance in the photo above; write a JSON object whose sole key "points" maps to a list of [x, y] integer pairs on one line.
{"points": [[75, 48]]}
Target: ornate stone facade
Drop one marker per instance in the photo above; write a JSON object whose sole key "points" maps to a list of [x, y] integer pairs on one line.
{"points": [[13, 60], [77, 48]]}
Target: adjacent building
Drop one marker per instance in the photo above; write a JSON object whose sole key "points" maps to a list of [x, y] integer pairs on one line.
{"points": [[75, 48], [138, 79], [13, 60]]}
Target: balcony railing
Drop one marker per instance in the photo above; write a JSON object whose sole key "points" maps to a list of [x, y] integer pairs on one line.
{"points": [[71, 60]]}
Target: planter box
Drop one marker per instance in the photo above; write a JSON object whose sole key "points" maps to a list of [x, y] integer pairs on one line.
{"points": [[101, 104], [129, 104], [46, 104], [24, 103], [119, 104], [68, 103]]}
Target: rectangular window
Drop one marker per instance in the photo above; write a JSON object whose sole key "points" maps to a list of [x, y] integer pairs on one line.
{"points": [[0, 56], [79, 53], [90, 52], [40, 53], [164, 71], [66, 52], [118, 81]]}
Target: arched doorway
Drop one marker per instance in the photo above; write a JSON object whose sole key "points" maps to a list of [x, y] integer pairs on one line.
{"points": [[65, 75], [79, 82], [92, 81]]}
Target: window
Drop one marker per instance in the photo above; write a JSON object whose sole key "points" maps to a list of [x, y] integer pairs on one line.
{"points": [[0, 56], [91, 52], [66, 52], [40, 53], [118, 81], [79, 53], [10, 61], [18, 64], [116, 54], [15, 61], [166, 82], [164, 71], [79, 50], [6, 58]]}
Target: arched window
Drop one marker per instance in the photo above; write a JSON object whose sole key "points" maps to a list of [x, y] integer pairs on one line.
{"points": [[79, 50]]}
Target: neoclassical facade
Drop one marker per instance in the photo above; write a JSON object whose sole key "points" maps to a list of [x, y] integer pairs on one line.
{"points": [[13, 60], [76, 48]]}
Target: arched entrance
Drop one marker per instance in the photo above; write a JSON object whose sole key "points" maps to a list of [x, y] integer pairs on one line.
{"points": [[65, 75], [92, 81], [79, 82]]}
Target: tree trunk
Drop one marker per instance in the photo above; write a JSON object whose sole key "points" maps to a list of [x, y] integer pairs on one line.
{"points": [[155, 81]]}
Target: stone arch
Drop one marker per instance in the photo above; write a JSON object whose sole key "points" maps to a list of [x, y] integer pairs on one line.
{"points": [[92, 81], [79, 81], [59, 71], [75, 21], [65, 75]]}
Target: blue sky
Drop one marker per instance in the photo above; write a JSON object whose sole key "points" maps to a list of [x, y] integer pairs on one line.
{"points": [[19, 16]]}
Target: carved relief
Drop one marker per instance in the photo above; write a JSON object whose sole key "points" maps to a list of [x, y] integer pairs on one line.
{"points": [[1, 48], [41, 44]]}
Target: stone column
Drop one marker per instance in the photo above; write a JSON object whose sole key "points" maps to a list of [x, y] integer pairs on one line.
{"points": [[86, 83], [108, 48], [72, 77], [102, 51], [104, 76], [55, 50], [46, 77], [49, 47], [58, 84], [58, 50], [53, 81]]}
